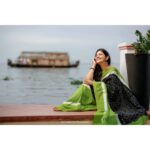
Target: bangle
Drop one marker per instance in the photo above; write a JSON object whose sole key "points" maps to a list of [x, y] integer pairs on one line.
{"points": [[92, 68]]}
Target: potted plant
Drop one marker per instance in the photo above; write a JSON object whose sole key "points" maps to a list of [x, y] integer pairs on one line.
{"points": [[138, 68]]}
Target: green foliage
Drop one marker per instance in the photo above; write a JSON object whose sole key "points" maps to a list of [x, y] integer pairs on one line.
{"points": [[6, 78], [76, 82], [142, 45]]}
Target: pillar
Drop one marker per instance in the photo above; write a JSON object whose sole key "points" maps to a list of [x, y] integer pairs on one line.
{"points": [[124, 49]]}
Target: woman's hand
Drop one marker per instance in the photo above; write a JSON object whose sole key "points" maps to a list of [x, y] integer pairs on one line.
{"points": [[89, 77], [94, 63]]}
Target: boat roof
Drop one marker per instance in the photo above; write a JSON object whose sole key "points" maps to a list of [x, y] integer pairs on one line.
{"points": [[42, 52]]}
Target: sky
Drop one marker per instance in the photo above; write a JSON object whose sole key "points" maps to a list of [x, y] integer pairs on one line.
{"points": [[80, 41]]}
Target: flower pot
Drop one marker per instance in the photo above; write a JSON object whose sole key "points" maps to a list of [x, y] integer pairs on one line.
{"points": [[138, 71]]}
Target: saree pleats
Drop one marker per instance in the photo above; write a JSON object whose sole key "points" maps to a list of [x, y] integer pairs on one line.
{"points": [[104, 114], [81, 100]]}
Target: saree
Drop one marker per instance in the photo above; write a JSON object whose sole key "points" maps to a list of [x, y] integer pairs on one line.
{"points": [[110, 97]]}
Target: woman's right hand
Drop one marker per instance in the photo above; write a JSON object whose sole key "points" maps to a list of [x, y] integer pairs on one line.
{"points": [[94, 63]]}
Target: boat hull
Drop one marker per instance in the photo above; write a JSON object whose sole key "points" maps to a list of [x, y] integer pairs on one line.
{"points": [[76, 64]]}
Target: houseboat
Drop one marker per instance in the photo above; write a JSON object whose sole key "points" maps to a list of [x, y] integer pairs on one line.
{"points": [[43, 59]]}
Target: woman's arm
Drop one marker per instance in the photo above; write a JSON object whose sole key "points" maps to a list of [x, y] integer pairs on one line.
{"points": [[89, 77]]}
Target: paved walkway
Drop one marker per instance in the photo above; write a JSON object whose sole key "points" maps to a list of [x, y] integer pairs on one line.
{"points": [[42, 114]]}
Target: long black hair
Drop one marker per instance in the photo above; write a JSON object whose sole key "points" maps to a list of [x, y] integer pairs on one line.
{"points": [[98, 70]]}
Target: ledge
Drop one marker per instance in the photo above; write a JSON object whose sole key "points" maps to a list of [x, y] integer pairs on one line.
{"points": [[43, 114], [40, 113]]}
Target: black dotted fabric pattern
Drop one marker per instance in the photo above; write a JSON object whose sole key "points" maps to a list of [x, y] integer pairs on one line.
{"points": [[122, 100]]}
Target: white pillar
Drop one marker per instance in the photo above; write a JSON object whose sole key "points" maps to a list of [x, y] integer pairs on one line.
{"points": [[124, 49]]}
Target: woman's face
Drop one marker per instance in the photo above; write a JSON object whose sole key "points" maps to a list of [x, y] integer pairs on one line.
{"points": [[100, 57]]}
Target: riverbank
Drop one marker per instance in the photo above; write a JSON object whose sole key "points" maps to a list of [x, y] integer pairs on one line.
{"points": [[43, 114]]}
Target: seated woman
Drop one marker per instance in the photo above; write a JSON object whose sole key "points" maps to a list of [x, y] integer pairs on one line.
{"points": [[105, 91]]}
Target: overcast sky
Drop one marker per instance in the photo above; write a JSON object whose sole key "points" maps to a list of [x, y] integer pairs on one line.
{"points": [[80, 42]]}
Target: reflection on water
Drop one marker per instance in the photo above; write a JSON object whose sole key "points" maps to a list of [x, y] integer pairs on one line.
{"points": [[38, 85]]}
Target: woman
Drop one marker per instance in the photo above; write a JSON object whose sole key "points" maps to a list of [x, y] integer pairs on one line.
{"points": [[104, 90]]}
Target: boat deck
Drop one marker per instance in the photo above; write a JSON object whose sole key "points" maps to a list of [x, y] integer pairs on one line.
{"points": [[43, 114]]}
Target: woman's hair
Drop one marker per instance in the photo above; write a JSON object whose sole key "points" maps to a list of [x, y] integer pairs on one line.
{"points": [[98, 71]]}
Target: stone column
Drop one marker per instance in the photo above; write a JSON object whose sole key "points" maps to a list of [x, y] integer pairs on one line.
{"points": [[124, 49]]}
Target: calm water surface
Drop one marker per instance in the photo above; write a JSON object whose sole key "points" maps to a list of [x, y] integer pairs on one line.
{"points": [[38, 85]]}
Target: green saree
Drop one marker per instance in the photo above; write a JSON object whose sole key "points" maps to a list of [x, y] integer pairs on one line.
{"points": [[111, 98]]}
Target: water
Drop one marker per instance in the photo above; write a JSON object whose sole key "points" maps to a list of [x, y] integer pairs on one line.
{"points": [[38, 85]]}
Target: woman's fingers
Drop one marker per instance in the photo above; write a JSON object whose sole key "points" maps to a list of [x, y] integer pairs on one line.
{"points": [[94, 62]]}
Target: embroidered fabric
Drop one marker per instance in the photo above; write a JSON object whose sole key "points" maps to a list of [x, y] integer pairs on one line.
{"points": [[122, 100]]}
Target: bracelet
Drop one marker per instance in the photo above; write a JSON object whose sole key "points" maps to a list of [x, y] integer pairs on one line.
{"points": [[92, 68]]}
